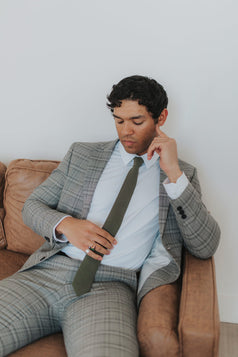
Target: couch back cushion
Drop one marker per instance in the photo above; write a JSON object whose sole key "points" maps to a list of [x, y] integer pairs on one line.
{"points": [[2, 184], [22, 177]]}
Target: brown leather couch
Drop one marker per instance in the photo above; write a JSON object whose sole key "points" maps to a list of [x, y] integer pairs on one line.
{"points": [[180, 319]]}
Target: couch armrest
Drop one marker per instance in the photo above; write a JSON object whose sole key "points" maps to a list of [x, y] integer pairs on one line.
{"points": [[2, 213], [157, 322], [2, 234], [2, 182], [199, 317]]}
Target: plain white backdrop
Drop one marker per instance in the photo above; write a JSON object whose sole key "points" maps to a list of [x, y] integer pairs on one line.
{"points": [[59, 60]]}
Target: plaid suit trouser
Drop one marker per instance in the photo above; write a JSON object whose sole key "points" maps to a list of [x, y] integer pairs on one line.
{"points": [[41, 301]]}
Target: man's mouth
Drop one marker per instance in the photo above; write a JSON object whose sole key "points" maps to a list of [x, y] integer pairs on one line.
{"points": [[128, 142]]}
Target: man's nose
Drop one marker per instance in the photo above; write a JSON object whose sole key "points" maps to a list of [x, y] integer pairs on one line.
{"points": [[128, 129]]}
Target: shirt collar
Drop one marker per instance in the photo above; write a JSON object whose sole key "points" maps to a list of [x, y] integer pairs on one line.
{"points": [[126, 157]]}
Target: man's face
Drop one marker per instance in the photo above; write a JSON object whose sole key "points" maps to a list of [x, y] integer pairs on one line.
{"points": [[135, 126]]}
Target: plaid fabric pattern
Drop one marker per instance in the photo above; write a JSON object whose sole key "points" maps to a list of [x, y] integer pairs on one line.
{"points": [[70, 188], [41, 301]]}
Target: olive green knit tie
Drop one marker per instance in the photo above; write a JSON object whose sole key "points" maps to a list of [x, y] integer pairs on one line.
{"points": [[84, 277]]}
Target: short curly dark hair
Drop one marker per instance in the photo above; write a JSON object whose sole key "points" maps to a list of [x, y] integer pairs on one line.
{"points": [[143, 89]]}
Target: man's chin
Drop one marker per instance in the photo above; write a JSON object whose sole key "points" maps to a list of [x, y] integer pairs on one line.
{"points": [[132, 149]]}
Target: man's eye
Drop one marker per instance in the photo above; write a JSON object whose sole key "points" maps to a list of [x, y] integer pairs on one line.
{"points": [[136, 123], [119, 122]]}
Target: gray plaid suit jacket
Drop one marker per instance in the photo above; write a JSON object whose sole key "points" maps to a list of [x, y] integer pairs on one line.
{"points": [[69, 190]]}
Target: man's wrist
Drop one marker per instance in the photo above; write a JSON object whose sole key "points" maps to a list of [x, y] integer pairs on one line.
{"points": [[62, 226], [174, 175]]}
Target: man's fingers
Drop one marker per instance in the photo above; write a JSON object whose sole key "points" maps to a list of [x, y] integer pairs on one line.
{"points": [[150, 153], [103, 242], [155, 145], [93, 255], [100, 248], [104, 234], [94, 247], [160, 132], [95, 234]]}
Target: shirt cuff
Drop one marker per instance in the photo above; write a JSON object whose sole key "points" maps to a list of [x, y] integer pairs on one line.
{"points": [[59, 237], [174, 190]]}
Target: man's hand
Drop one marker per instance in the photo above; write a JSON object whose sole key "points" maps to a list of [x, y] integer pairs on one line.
{"points": [[167, 149], [84, 234]]}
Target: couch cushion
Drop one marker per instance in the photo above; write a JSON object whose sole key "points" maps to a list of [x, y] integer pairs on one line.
{"points": [[50, 346], [2, 183], [22, 177], [11, 262]]}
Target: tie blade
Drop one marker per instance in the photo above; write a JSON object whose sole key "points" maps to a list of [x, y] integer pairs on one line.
{"points": [[84, 277], [116, 215]]}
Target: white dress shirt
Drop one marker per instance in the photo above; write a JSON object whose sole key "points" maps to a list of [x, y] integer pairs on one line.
{"points": [[140, 225]]}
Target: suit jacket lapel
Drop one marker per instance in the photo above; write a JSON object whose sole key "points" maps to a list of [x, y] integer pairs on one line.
{"points": [[95, 167], [163, 204]]}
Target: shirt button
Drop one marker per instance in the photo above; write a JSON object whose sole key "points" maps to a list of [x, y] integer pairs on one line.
{"points": [[42, 258]]}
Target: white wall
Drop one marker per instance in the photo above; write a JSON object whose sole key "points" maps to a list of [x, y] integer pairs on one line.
{"points": [[59, 59]]}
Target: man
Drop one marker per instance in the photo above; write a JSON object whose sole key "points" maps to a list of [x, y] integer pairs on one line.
{"points": [[69, 209]]}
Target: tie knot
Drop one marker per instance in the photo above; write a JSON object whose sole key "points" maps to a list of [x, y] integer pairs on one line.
{"points": [[138, 161]]}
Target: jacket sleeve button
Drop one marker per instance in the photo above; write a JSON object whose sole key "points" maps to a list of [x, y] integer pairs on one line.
{"points": [[184, 216], [179, 208]]}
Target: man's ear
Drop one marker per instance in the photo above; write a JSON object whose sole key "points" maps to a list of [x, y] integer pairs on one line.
{"points": [[162, 117]]}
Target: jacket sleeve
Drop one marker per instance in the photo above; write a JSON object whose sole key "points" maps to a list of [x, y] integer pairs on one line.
{"points": [[40, 209], [199, 230]]}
